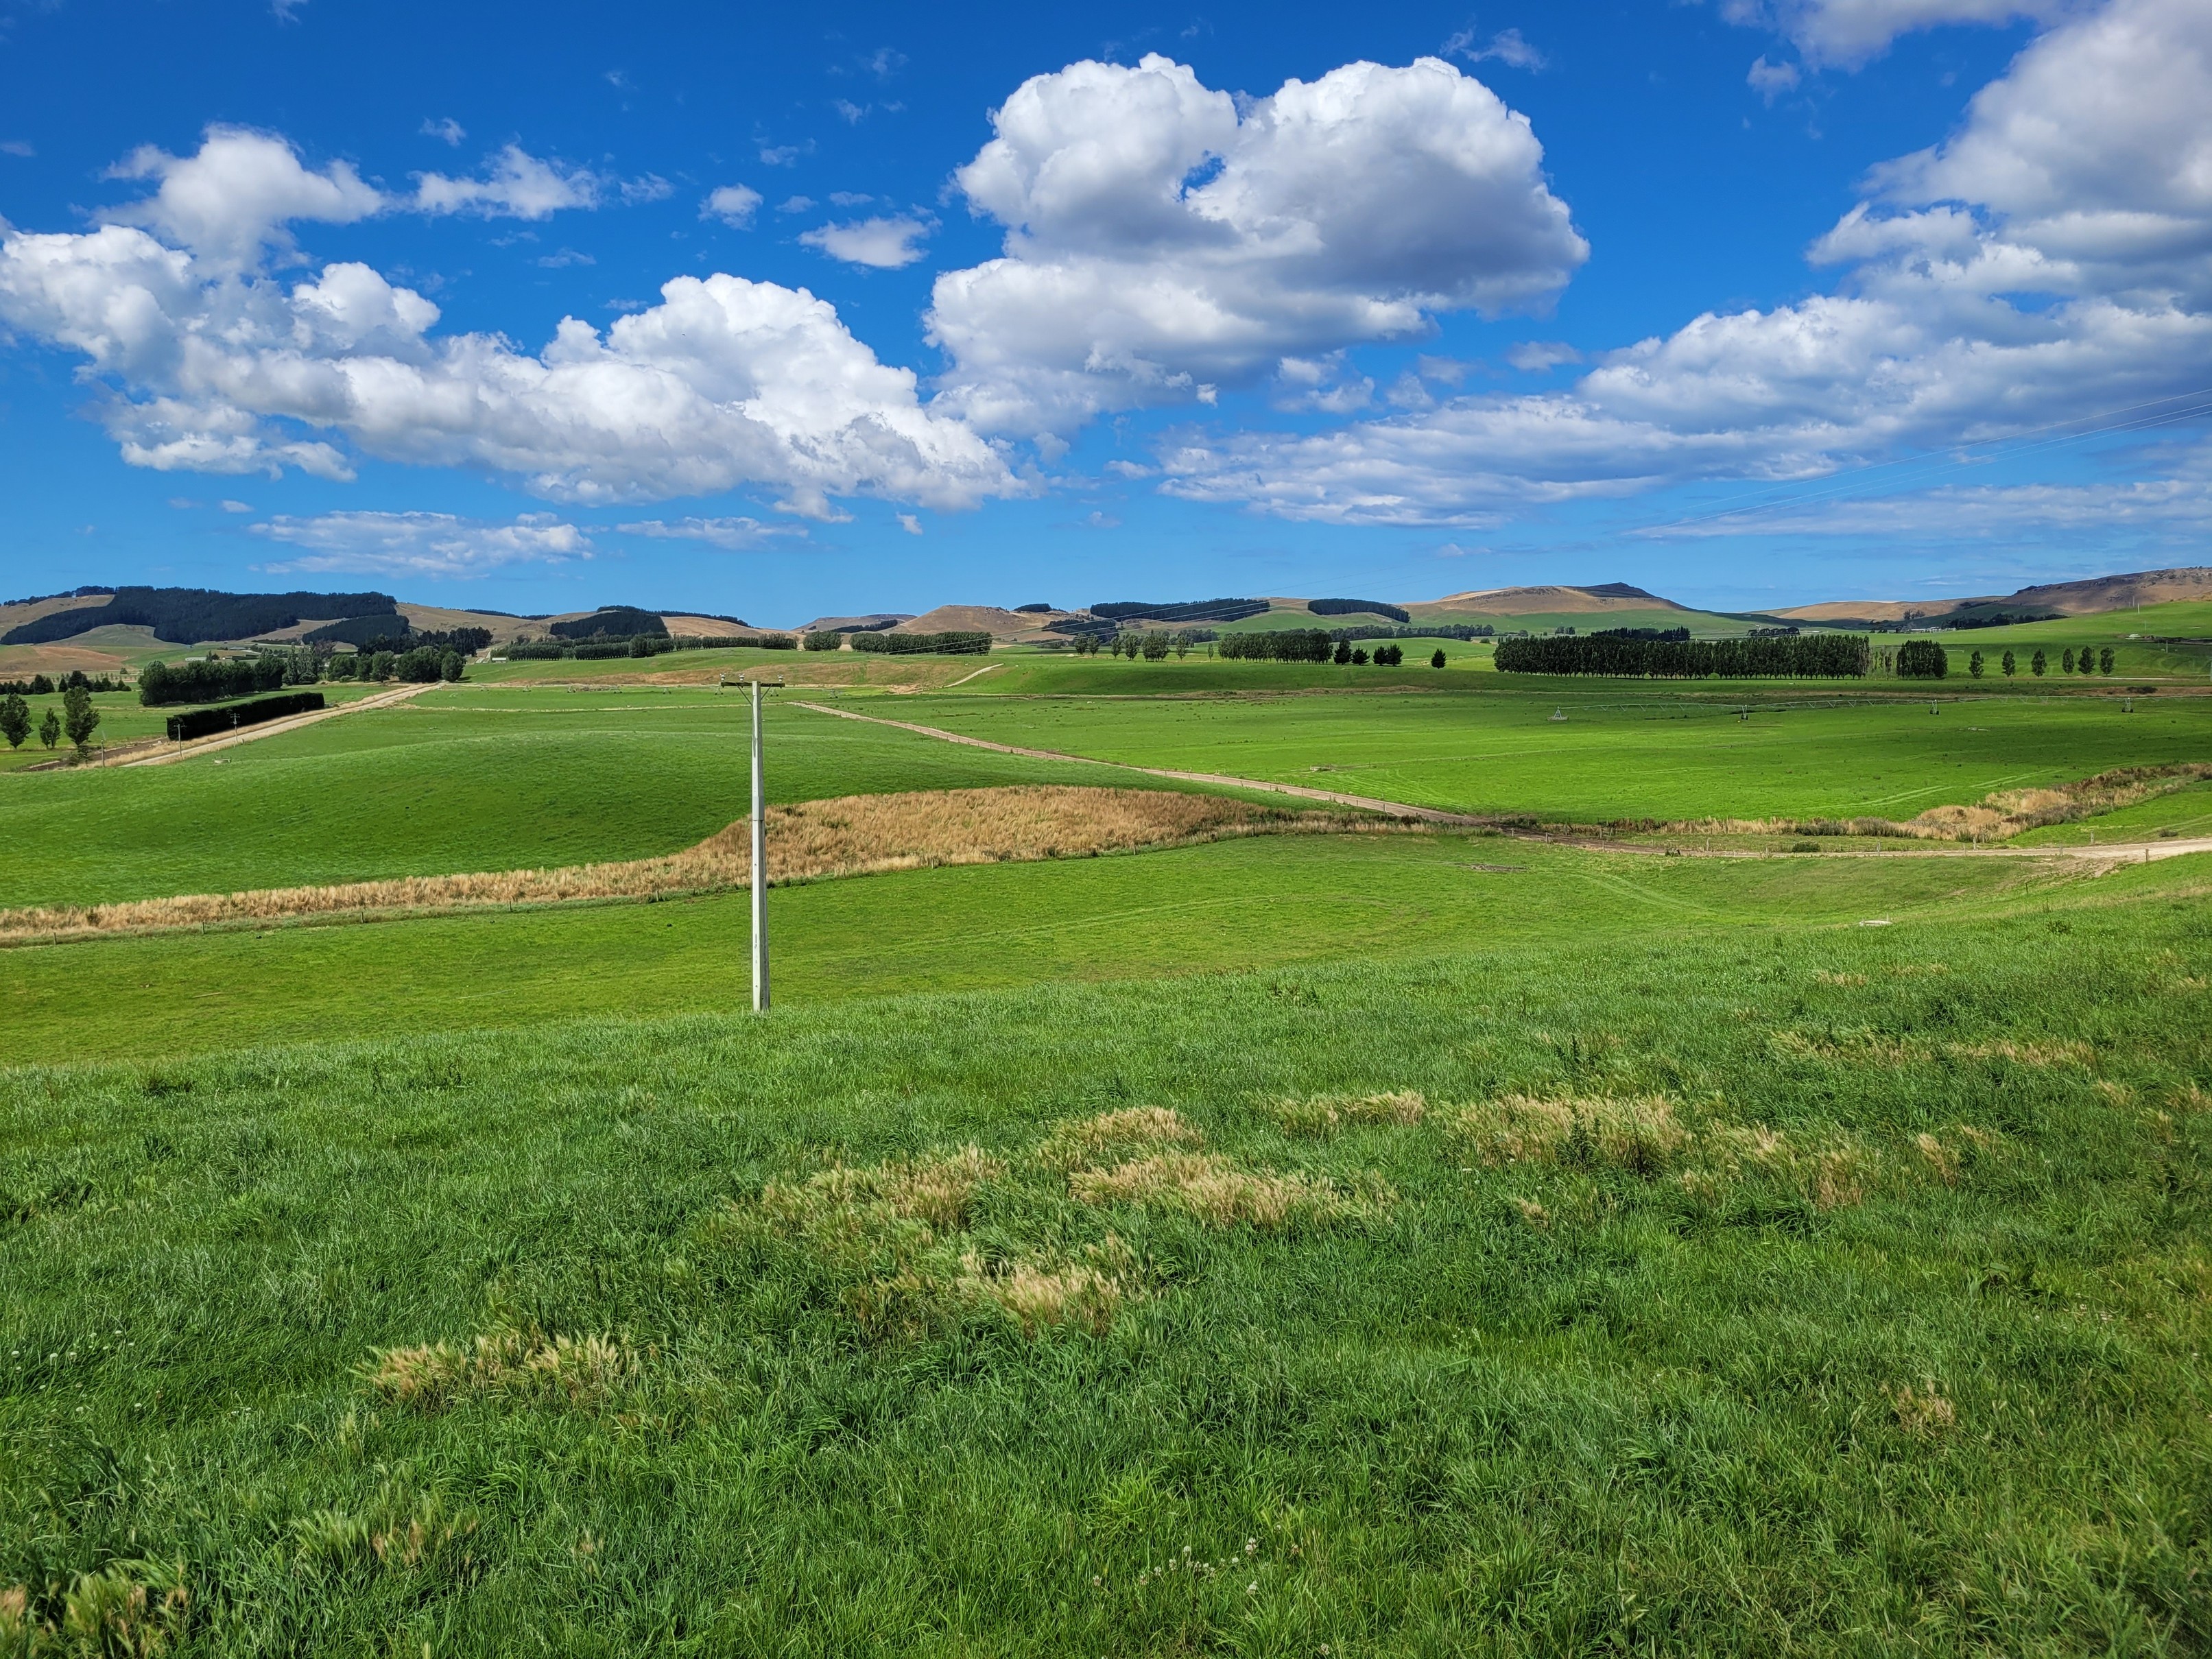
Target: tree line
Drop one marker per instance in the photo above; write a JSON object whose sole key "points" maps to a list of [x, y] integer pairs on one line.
{"points": [[1810, 656]]}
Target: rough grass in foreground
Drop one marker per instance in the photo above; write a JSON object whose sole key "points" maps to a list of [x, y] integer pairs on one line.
{"points": [[859, 834], [1637, 1388]]}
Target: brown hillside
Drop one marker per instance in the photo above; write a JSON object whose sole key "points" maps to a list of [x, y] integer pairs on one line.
{"points": [[1542, 601], [872, 619], [15, 616], [688, 626], [980, 618], [2074, 598]]}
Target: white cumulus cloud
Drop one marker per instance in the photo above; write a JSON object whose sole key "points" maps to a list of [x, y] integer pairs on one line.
{"points": [[421, 543], [1849, 33], [2053, 258], [233, 199], [1162, 240], [733, 204], [205, 367], [735, 534], [884, 244], [517, 185]]}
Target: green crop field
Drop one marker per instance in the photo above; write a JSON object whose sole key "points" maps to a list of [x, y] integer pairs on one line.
{"points": [[1408, 1243], [1624, 750], [457, 778], [1891, 1340]]}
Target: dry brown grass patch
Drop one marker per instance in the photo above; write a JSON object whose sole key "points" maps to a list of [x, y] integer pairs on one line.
{"points": [[134, 1610], [1085, 1139], [1924, 1411], [1324, 1115], [1212, 1189], [857, 835], [572, 1371], [1822, 976], [2025, 1053], [1086, 1294], [1635, 1133], [933, 1190]]}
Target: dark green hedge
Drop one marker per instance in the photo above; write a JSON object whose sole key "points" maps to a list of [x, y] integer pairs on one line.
{"points": [[906, 645], [1809, 656], [203, 722]]}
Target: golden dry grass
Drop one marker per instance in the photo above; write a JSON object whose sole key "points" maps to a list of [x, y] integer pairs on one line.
{"points": [[1212, 1189], [1636, 1133], [1924, 1411], [1082, 1140], [854, 835], [1864, 1048], [134, 1610], [1998, 817], [1324, 1115], [563, 1370]]}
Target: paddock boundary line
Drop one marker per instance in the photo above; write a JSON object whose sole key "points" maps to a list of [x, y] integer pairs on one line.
{"points": [[2112, 852], [399, 693]]}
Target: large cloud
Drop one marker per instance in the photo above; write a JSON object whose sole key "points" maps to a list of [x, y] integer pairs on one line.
{"points": [[209, 367], [2053, 258], [421, 543], [1161, 242], [1848, 33]]}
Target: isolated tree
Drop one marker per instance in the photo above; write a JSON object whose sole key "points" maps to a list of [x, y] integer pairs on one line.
{"points": [[1974, 664], [14, 720], [1155, 648], [2038, 665], [450, 665], [2066, 661], [1359, 655], [50, 729], [79, 717], [1342, 656], [2104, 660], [2088, 664], [1438, 661], [2011, 665]]}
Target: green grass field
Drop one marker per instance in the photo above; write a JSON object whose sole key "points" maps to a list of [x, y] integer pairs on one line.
{"points": [[1873, 1392], [1624, 749], [457, 778], [1797, 1254], [1207, 908]]}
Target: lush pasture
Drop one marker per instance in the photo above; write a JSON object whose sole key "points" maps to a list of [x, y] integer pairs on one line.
{"points": [[456, 779], [1924, 1374], [1225, 906], [1624, 750]]}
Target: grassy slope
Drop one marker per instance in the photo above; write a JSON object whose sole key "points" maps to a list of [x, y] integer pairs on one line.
{"points": [[123, 718], [458, 779], [1626, 749], [1663, 1420], [1217, 906]]}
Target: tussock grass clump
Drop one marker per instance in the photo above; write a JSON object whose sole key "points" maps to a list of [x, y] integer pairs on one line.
{"points": [[1212, 1189], [811, 840], [1324, 1115], [134, 1610], [1833, 1173], [1869, 1047], [1924, 1411], [1084, 1139], [391, 1533], [1638, 1133], [936, 1190], [890, 1243], [1086, 1293], [566, 1370]]}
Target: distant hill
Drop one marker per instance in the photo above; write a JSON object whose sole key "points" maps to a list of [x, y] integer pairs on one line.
{"points": [[2075, 598], [1546, 601], [999, 624], [191, 615]]}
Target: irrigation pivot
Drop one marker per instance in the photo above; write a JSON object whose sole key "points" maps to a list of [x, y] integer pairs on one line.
{"points": [[760, 866]]}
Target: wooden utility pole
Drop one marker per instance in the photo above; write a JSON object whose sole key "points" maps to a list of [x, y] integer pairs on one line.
{"points": [[760, 866]]}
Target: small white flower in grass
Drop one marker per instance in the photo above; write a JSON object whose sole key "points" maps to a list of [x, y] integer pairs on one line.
{"points": [[1252, 1588], [1251, 1547]]}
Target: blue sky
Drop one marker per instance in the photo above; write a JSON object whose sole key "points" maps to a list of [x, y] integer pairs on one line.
{"points": [[811, 310]]}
